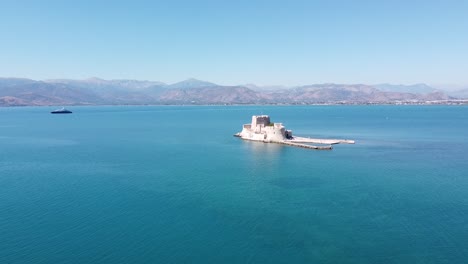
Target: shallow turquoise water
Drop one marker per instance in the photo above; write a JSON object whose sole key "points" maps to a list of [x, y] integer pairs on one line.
{"points": [[167, 184]]}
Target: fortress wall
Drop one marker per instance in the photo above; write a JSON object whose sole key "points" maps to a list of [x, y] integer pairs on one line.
{"points": [[275, 133]]}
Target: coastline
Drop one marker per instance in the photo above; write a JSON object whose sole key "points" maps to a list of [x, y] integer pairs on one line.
{"points": [[437, 102]]}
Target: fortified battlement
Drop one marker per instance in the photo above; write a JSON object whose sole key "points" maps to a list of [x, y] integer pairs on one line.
{"points": [[261, 129], [260, 120]]}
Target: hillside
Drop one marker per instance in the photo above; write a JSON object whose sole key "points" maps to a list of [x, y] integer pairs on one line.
{"points": [[95, 91]]}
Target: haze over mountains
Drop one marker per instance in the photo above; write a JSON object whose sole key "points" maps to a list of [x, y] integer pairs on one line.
{"points": [[95, 91]]}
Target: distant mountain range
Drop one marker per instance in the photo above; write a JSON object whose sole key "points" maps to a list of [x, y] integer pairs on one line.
{"points": [[463, 93], [95, 91], [419, 88]]}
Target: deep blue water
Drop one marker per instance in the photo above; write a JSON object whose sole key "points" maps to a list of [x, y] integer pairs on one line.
{"points": [[170, 184]]}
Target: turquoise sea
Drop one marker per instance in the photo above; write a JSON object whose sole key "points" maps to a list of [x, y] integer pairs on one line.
{"points": [[170, 184]]}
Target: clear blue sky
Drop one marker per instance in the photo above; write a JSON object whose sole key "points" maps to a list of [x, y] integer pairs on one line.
{"points": [[236, 42]]}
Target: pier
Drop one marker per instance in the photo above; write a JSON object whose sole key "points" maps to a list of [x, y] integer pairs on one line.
{"points": [[294, 144], [321, 141]]}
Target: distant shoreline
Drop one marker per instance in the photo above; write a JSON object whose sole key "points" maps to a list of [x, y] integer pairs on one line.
{"points": [[440, 102], [94, 91]]}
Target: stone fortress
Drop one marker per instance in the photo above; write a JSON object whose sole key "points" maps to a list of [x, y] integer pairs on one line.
{"points": [[262, 129]]}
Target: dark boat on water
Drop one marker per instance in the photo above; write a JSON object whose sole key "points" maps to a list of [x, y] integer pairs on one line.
{"points": [[61, 111]]}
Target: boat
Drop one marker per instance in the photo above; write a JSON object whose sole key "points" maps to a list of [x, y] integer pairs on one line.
{"points": [[61, 111]]}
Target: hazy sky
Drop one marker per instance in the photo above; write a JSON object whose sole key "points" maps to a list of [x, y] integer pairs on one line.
{"points": [[237, 42]]}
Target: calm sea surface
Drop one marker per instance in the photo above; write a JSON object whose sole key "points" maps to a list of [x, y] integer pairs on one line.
{"points": [[170, 184]]}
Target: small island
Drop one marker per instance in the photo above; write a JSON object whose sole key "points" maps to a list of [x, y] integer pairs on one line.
{"points": [[261, 129]]}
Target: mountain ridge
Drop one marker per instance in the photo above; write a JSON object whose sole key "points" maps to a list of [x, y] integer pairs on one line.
{"points": [[96, 91]]}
